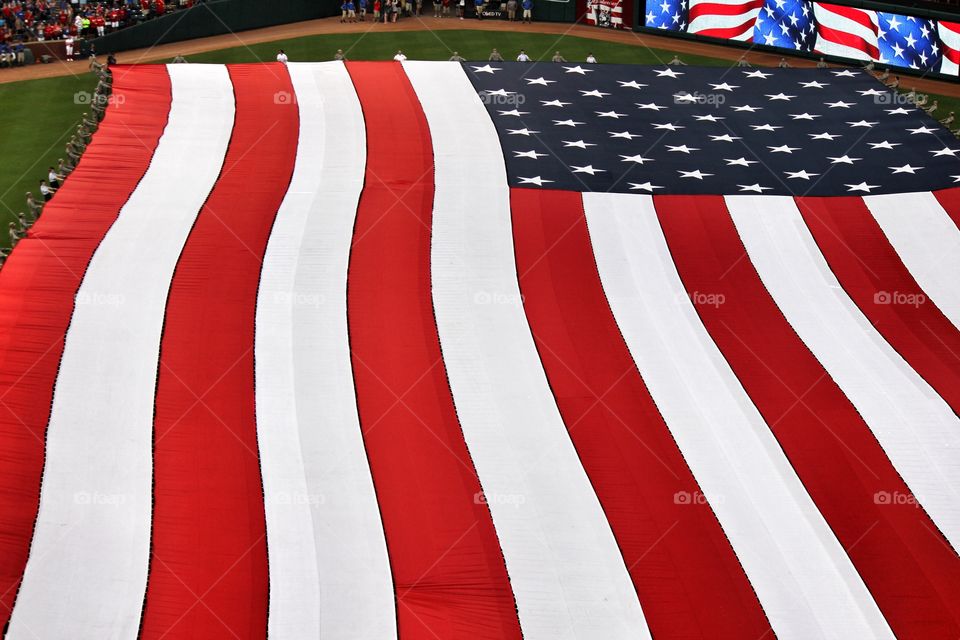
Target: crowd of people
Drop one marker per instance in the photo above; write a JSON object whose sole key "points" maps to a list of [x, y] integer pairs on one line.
{"points": [[393, 10], [24, 21], [56, 174]]}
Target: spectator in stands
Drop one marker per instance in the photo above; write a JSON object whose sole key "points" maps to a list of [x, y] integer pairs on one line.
{"points": [[783, 64], [677, 62], [591, 59], [523, 57], [495, 56], [527, 6], [179, 59], [456, 57], [511, 10], [557, 57], [400, 56], [340, 55], [282, 56], [46, 191]]}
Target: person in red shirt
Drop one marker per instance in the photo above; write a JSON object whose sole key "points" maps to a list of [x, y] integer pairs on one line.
{"points": [[100, 24], [114, 19], [159, 7]]}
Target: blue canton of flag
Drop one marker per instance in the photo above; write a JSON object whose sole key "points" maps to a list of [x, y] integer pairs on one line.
{"points": [[907, 41], [704, 130], [670, 15], [787, 24]]}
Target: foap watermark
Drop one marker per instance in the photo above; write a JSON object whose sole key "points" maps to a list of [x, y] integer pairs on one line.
{"points": [[695, 498], [498, 297], [97, 499], [502, 98], [99, 299], [301, 498], [707, 299], [893, 98], [86, 97], [509, 499], [284, 97], [299, 299], [895, 498], [706, 99], [899, 298]]}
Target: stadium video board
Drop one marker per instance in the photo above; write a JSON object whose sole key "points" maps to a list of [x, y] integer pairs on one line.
{"points": [[924, 44]]}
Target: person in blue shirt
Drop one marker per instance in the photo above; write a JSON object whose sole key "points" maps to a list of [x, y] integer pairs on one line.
{"points": [[478, 4], [527, 10], [363, 10]]}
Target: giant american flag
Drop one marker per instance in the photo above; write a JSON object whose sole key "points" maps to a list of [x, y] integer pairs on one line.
{"points": [[460, 351]]}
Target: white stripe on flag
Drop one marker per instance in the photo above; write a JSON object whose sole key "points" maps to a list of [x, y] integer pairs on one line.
{"points": [[928, 243], [710, 21], [847, 26], [916, 428], [806, 583], [567, 573], [950, 42], [87, 570], [329, 571]]}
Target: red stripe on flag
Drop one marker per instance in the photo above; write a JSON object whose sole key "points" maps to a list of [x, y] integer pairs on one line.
{"points": [[38, 285], [905, 562], [949, 199], [208, 567], [448, 569], [728, 32], [847, 40], [872, 274], [852, 14], [687, 576], [720, 9]]}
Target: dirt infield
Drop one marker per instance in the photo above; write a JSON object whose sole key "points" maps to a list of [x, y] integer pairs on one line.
{"points": [[333, 26]]}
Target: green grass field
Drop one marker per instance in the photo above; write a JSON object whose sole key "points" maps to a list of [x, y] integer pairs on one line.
{"points": [[39, 116]]}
